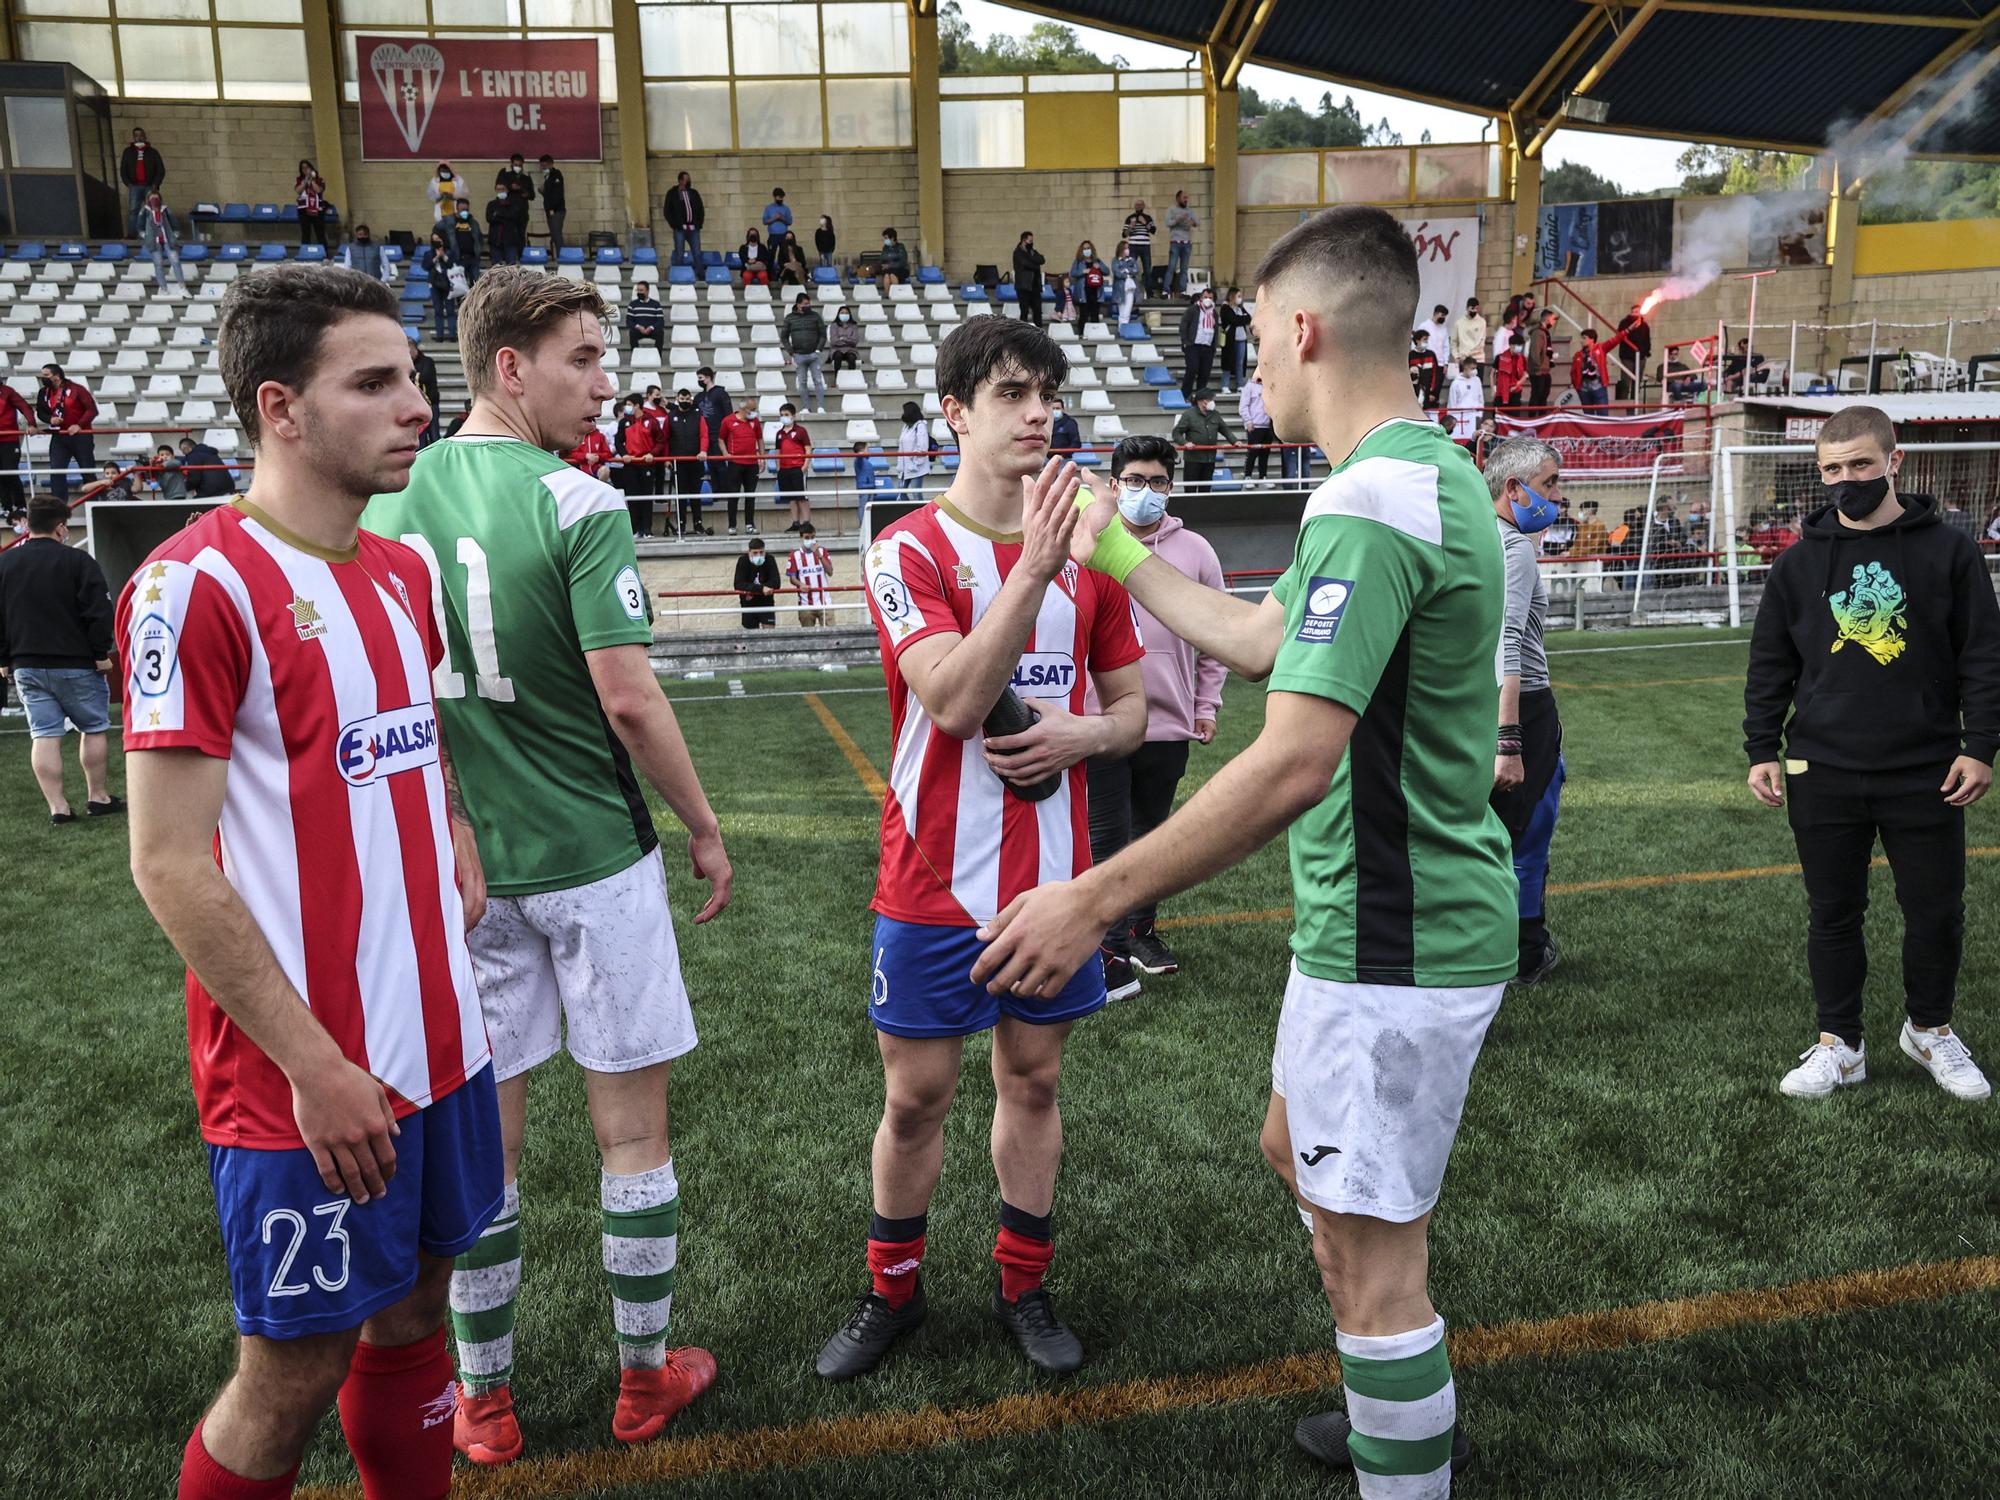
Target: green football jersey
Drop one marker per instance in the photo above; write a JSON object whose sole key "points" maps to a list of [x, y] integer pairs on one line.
{"points": [[532, 565], [1403, 874]]}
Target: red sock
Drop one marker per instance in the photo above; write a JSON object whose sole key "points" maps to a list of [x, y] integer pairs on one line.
{"points": [[1023, 1259], [893, 1265], [396, 1411], [202, 1478]]}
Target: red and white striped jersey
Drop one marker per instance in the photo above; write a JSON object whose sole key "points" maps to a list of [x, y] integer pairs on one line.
{"points": [[810, 568], [310, 673], [956, 848]]}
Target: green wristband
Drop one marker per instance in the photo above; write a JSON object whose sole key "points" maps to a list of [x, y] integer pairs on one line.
{"points": [[1117, 551]]}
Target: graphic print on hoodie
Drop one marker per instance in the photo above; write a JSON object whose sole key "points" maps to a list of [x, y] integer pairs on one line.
{"points": [[1876, 650]]}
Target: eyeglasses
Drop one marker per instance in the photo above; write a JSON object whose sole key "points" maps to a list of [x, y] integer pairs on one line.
{"points": [[1159, 484]]}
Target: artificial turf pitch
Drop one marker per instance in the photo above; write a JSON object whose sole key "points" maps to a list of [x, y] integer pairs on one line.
{"points": [[1624, 1144]]}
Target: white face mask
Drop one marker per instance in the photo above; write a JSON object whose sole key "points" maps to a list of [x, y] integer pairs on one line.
{"points": [[1088, 252], [501, 196], [628, 408], [786, 422], [843, 318], [1142, 508], [756, 557]]}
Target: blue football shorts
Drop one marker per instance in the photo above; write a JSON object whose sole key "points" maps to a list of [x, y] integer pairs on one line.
{"points": [[923, 985]]}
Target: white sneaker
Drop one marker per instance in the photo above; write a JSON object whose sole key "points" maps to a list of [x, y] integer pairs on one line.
{"points": [[1944, 1055], [1826, 1065]]}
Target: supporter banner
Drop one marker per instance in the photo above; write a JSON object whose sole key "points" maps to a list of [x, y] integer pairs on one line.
{"points": [[1567, 242], [1611, 443], [1447, 262], [1635, 236], [480, 98]]}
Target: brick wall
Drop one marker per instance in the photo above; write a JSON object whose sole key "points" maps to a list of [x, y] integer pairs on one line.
{"points": [[1929, 297], [242, 153], [861, 190], [985, 212]]}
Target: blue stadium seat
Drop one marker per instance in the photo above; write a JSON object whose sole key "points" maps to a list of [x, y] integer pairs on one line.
{"points": [[1159, 375], [610, 255], [112, 250], [645, 255], [930, 276], [534, 255], [1134, 331], [72, 250], [232, 252], [972, 291], [266, 213], [392, 253], [28, 250], [193, 253], [680, 275], [1087, 460], [414, 335], [570, 255], [825, 276], [271, 252], [826, 463], [1006, 292], [235, 213], [310, 252], [719, 276], [288, 213], [711, 258], [949, 460], [1171, 399], [682, 258], [1224, 482]]}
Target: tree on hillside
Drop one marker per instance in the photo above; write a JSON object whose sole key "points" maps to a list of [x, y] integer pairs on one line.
{"points": [[1708, 170], [1046, 47], [1281, 124], [1923, 191], [1573, 182]]}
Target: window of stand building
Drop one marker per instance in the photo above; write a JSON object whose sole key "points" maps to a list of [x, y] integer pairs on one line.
{"points": [[172, 49]]}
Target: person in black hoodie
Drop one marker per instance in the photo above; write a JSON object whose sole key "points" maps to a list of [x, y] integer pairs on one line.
{"points": [[1880, 633]]}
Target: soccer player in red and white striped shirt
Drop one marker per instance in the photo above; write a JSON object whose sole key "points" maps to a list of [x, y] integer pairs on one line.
{"points": [[295, 833], [973, 596]]}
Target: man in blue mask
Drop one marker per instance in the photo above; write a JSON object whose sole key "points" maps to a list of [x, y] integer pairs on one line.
{"points": [[1131, 795], [1523, 474]]}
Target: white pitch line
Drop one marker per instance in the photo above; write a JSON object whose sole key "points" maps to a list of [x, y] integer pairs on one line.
{"points": [[1655, 646]]}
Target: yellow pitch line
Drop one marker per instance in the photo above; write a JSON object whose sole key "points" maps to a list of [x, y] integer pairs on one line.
{"points": [[1573, 888], [856, 756], [880, 1434]]}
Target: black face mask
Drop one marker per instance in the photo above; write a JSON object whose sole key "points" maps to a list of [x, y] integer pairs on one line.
{"points": [[1858, 498]]}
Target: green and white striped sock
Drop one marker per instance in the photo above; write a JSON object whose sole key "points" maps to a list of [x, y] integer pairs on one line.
{"points": [[642, 1217], [1403, 1406], [484, 1283]]}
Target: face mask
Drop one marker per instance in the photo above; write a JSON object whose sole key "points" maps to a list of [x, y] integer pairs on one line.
{"points": [[628, 408], [786, 422], [465, 213], [1535, 516], [843, 318], [501, 196], [1141, 508], [886, 244], [1088, 251], [756, 557], [1858, 498]]}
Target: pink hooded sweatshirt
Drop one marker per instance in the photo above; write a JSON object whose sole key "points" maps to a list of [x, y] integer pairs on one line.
{"points": [[1182, 684]]}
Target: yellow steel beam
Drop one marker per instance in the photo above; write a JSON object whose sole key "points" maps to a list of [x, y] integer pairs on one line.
{"points": [[323, 79], [1599, 68], [633, 171], [1530, 98], [1936, 111], [1948, 55], [926, 132], [1240, 53]]}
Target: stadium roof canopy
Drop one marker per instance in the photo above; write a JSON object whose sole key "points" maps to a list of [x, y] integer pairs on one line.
{"points": [[1786, 74]]}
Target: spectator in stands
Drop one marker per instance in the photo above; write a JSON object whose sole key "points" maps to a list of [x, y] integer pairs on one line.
{"points": [[519, 184], [843, 341], [1489, 434], [1181, 225], [1541, 358], [794, 446], [446, 188], [645, 318], [1065, 298], [1510, 324], [1065, 437], [555, 200], [1423, 369], [55, 643], [824, 242], [465, 240], [426, 371], [743, 445], [777, 217], [895, 262], [16, 418], [163, 478], [1087, 277], [1139, 229], [1684, 381], [1439, 329], [1734, 365], [1872, 706], [1464, 402], [1639, 338], [208, 477], [309, 191], [1993, 527], [435, 265], [755, 257], [1198, 432], [803, 339], [1666, 540], [913, 452], [685, 447], [1561, 535], [1468, 336], [1131, 796], [1257, 430], [1201, 330], [757, 586], [789, 256], [69, 412], [142, 169], [362, 254], [1028, 262], [1125, 272], [1587, 367], [593, 455], [866, 479], [632, 439], [1510, 370], [1957, 517], [111, 484], [1235, 318], [1592, 540], [506, 222], [810, 570], [160, 242], [683, 209], [714, 406]]}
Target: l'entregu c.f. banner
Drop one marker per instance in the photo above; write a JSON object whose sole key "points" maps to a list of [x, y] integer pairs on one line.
{"points": [[480, 98]]}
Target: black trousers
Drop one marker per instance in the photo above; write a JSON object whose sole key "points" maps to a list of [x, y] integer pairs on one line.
{"points": [[1198, 465], [1128, 799], [1541, 748], [11, 498], [1538, 389], [688, 474], [63, 447], [1836, 816], [1257, 463], [1200, 361], [1029, 299]]}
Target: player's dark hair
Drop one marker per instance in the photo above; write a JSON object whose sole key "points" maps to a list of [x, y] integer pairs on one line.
{"points": [[1362, 257], [986, 347], [274, 322], [45, 514], [1854, 422], [1142, 447]]}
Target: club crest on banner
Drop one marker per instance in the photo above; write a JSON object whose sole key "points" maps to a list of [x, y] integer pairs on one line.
{"points": [[408, 78]]}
